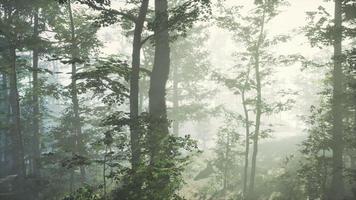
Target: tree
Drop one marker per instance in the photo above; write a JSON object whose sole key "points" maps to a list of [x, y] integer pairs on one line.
{"points": [[157, 93], [134, 85], [14, 12], [328, 32], [315, 169], [227, 156], [337, 183], [79, 146], [75, 34], [190, 69], [251, 32], [138, 21]]}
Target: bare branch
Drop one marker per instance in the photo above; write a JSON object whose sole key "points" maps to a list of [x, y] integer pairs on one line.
{"points": [[146, 39]]}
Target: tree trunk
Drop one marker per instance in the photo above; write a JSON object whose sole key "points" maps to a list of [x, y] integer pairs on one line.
{"points": [[175, 101], [16, 142], [337, 183], [134, 87], [36, 105], [8, 151], [258, 107], [134, 95], [226, 166], [79, 147], [4, 113], [353, 169], [15, 126], [159, 77], [324, 177], [247, 133], [157, 96]]}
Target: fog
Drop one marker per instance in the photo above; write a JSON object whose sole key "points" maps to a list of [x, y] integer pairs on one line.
{"points": [[177, 99]]}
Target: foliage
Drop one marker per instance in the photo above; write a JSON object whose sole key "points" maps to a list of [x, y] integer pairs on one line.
{"points": [[84, 193], [179, 151]]}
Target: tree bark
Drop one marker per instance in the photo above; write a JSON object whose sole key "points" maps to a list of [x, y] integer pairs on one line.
{"points": [[175, 101], [247, 133], [337, 183], [158, 127], [15, 122], [16, 141], [159, 77], [134, 87], [36, 104], [79, 147], [258, 107], [5, 118]]}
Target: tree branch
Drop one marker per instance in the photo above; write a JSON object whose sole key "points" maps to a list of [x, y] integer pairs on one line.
{"points": [[116, 12], [146, 39]]}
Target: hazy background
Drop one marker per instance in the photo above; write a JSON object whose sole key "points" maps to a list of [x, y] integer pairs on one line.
{"points": [[221, 47]]}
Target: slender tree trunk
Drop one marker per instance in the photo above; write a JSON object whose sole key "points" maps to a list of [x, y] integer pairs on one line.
{"points": [[157, 96], [2, 125], [134, 95], [79, 146], [134, 87], [325, 177], [337, 183], [104, 172], [226, 166], [36, 105], [175, 101], [71, 181], [353, 168], [8, 152], [258, 107], [247, 133], [15, 126]]}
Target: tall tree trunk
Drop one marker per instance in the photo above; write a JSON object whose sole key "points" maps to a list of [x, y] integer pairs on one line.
{"points": [[337, 183], [134, 87], [258, 106], [4, 113], [159, 77], [157, 95], [247, 133], [16, 141], [175, 101], [36, 105], [104, 172], [324, 177], [134, 95], [8, 151], [353, 169], [15, 122], [79, 147], [2, 125]]}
